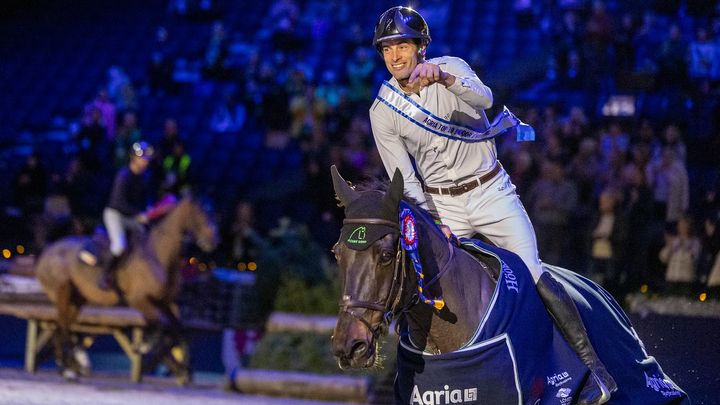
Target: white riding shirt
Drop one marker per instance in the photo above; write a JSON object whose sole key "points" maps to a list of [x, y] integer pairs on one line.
{"points": [[492, 209], [441, 162]]}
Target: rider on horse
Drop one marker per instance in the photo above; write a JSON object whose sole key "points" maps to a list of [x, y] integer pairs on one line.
{"points": [[126, 208], [434, 110]]}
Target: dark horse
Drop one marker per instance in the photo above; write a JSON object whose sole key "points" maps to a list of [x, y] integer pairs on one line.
{"points": [[147, 279], [473, 328]]}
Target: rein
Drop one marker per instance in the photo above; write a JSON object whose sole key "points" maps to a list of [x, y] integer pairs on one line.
{"points": [[389, 308]]}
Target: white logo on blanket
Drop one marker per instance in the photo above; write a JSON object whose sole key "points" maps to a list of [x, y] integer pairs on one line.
{"points": [[447, 396], [558, 379], [661, 385], [510, 278]]}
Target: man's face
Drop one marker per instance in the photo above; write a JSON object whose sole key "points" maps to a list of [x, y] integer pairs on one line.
{"points": [[140, 164], [401, 57]]}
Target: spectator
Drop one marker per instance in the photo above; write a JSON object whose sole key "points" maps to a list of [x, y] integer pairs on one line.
{"points": [[55, 222], [359, 71], [161, 65], [680, 254], [710, 247], [216, 52], [120, 90], [128, 134], [584, 169], [522, 173], [609, 236], [669, 180], [596, 47], [623, 44], [169, 138], [672, 138], [573, 77], [613, 140], [646, 136], [646, 45], [92, 141], [30, 186], [638, 209], [552, 200], [599, 29], [79, 185], [229, 115], [703, 57], [107, 109], [241, 240], [176, 169], [671, 60]]}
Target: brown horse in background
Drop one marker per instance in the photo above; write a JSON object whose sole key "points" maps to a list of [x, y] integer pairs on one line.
{"points": [[147, 278]]}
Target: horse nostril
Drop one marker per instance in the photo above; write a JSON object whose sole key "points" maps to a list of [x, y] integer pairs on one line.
{"points": [[359, 348]]}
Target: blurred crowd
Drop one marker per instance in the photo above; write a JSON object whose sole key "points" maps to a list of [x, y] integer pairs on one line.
{"points": [[631, 201]]}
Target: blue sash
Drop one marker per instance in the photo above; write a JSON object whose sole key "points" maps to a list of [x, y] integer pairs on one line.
{"points": [[506, 121]]}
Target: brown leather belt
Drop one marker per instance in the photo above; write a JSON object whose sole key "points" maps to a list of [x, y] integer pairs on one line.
{"points": [[465, 187]]}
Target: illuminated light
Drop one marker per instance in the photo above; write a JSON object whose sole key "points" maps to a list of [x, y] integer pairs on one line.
{"points": [[702, 297], [252, 266], [202, 267], [20, 249], [242, 266], [193, 261], [644, 288], [6, 253]]}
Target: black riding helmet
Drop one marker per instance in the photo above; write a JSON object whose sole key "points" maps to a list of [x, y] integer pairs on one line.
{"points": [[142, 150], [401, 22]]}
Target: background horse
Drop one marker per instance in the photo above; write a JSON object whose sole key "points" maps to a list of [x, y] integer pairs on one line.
{"points": [[473, 328], [148, 279]]}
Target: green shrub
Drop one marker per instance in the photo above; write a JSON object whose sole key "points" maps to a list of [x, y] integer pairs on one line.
{"points": [[297, 295]]}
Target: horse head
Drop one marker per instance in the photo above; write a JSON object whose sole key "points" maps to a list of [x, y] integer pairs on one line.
{"points": [[369, 259], [199, 224]]}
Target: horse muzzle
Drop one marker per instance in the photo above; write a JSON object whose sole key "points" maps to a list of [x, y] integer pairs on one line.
{"points": [[352, 346], [356, 354]]}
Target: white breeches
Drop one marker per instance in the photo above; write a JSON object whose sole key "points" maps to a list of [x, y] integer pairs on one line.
{"points": [[116, 225], [494, 210]]}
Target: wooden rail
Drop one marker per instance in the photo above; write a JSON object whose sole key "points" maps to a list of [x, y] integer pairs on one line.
{"points": [[126, 325]]}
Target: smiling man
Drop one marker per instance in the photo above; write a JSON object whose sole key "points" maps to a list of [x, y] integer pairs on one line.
{"points": [[432, 111]]}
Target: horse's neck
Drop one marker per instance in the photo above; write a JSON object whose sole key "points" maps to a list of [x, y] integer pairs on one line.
{"points": [[166, 238], [461, 288]]}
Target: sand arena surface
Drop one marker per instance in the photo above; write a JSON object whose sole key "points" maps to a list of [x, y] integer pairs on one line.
{"points": [[48, 388]]}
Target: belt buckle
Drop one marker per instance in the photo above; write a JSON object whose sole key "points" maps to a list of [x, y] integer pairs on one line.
{"points": [[457, 190]]}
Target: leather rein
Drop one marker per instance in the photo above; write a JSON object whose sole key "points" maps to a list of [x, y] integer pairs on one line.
{"points": [[389, 308]]}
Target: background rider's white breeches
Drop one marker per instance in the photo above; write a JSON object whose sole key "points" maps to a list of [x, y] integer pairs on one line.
{"points": [[113, 220]]}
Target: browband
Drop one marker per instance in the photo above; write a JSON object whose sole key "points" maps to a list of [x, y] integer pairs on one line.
{"points": [[372, 221]]}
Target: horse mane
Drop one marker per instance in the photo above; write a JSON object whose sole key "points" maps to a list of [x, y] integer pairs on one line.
{"points": [[382, 185]]}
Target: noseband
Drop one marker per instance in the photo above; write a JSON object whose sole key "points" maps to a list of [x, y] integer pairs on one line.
{"points": [[389, 308]]}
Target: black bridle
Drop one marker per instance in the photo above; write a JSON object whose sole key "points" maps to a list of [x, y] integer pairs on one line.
{"points": [[389, 308]]}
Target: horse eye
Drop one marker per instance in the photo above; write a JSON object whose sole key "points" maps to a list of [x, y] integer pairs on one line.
{"points": [[386, 257]]}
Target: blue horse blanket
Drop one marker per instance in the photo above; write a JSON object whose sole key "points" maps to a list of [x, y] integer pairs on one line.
{"points": [[517, 355]]}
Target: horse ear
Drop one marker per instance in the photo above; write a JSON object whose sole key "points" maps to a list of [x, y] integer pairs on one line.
{"points": [[395, 191], [343, 191]]}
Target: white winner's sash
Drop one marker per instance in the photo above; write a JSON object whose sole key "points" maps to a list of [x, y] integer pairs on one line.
{"points": [[506, 121]]}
